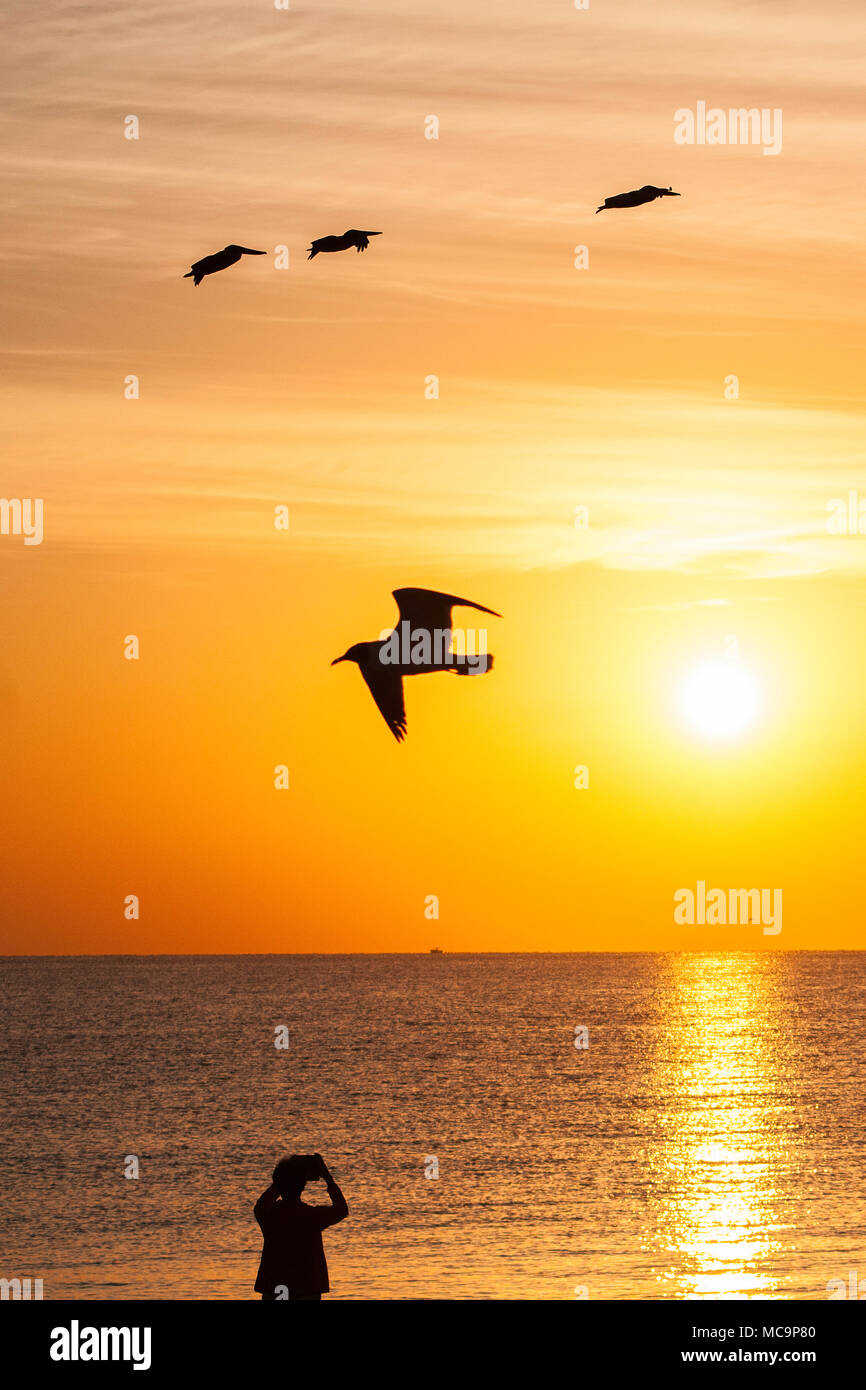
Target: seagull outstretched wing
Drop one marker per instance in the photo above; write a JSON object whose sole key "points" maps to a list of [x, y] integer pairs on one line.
{"points": [[386, 686], [429, 610]]}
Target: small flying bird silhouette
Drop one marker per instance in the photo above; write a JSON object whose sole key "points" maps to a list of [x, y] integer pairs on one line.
{"points": [[419, 645], [361, 240], [220, 260], [647, 194]]}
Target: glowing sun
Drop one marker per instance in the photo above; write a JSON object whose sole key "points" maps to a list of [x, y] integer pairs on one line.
{"points": [[719, 699]]}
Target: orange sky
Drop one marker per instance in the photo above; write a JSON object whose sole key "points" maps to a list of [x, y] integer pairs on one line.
{"points": [[559, 388]]}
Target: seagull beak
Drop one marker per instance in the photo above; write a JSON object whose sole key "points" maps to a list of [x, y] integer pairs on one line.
{"points": [[338, 660]]}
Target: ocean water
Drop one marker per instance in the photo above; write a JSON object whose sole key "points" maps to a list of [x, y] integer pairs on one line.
{"points": [[709, 1142]]}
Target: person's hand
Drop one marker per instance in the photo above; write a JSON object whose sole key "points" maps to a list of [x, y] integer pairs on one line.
{"points": [[322, 1165]]}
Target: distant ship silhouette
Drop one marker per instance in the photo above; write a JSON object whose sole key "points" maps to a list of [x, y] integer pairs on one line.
{"points": [[436, 951]]}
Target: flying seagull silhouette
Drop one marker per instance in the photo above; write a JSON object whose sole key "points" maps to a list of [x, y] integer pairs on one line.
{"points": [[220, 260], [647, 194], [341, 243], [419, 645]]}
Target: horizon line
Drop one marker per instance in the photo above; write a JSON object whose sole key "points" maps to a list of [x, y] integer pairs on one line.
{"points": [[239, 955]]}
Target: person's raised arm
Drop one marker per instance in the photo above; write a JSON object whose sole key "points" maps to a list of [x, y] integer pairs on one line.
{"points": [[339, 1208]]}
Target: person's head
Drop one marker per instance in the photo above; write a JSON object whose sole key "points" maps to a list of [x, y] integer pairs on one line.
{"points": [[290, 1176]]}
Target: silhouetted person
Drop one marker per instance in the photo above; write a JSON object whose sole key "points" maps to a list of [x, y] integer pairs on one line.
{"points": [[220, 260], [419, 645], [647, 194], [293, 1261], [360, 240]]}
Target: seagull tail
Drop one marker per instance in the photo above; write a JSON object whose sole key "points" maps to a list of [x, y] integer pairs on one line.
{"points": [[474, 666]]}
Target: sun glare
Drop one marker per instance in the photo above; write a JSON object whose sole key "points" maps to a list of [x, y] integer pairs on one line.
{"points": [[719, 699]]}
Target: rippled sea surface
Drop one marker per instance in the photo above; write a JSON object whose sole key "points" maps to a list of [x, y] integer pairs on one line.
{"points": [[708, 1143]]}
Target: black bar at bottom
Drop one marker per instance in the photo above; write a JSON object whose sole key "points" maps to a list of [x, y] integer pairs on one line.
{"points": [[625, 1338]]}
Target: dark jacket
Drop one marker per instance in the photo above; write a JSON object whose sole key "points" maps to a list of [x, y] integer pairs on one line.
{"points": [[293, 1256]]}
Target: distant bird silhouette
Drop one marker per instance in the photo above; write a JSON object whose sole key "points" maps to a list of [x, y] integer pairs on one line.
{"points": [[220, 260], [647, 194], [361, 240], [424, 614]]}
